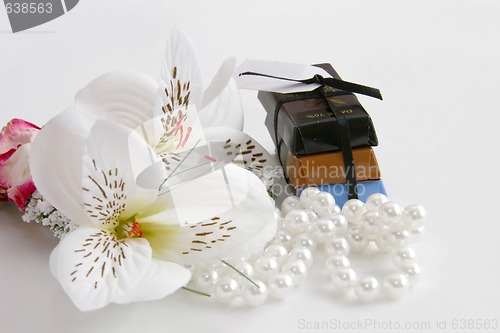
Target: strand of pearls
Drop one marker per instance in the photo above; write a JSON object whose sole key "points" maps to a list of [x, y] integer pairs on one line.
{"points": [[311, 223]]}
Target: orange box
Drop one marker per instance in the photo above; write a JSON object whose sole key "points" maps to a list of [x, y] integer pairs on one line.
{"points": [[328, 168]]}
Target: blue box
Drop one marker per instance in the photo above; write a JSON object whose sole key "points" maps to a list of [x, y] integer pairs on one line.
{"points": [[339, 191]]}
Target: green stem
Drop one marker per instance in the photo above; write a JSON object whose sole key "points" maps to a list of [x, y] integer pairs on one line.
{"points": [[240, 273], [195, 291]]}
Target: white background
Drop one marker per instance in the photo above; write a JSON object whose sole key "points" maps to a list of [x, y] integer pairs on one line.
{"points": [[437, 65]]}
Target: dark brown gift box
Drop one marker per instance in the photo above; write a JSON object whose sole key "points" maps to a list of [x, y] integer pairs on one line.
{"points": [[327, 168], [307, 125]]}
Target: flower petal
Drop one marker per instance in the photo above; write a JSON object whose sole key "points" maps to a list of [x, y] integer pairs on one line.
{"points": [[15, 133], [180, 92], [124, 97], [162, 279], [114, 157], [221, 104], [14, 166], [219, 82], [223, 146], [181, 131], [225, 111], [56, 162], [246, 153], [200, 198], [95, 269], [180, 67], [248, 225]]}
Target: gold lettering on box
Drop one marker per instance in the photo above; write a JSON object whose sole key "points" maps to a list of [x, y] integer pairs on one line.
{"points": [[346, 111], [318, 115], [338, 101]]}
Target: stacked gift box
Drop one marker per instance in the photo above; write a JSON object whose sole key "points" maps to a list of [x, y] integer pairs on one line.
{"points": [[311, 130]]}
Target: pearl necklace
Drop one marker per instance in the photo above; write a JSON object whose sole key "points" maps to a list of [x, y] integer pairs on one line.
{"points": [[313, 222]]}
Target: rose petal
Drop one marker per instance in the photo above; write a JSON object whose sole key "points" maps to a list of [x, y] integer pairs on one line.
{"points": [[16, 133]]}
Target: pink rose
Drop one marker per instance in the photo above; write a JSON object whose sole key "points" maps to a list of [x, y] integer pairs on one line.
{"points": [[15, 177]]}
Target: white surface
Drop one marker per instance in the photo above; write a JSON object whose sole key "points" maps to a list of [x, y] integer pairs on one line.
{"points": [[437, 65]]}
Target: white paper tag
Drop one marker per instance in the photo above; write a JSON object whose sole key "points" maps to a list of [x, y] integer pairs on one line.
{"points": [[280, 69]]}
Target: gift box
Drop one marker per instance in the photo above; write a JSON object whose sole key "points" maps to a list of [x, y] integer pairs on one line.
{"points": [[327, 168], [340, 191], [307, 125]]}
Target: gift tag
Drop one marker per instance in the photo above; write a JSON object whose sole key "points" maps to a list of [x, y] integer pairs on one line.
{"points": [[247, 76]]}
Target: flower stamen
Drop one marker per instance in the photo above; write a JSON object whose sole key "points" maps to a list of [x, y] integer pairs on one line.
{"points": [[134, 231]]}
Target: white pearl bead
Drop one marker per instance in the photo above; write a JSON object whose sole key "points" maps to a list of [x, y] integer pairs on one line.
{"points": [[403, 256], [396, 285], [374, 201], [297, 221], [335, 262], [297, 270], [290, 203], [304, 240], [337, 246], [282, 237], [382, 244], [217, 266], [226, 290], [414, 216], [417, 235], [278, 252], [242, 266], [255, 254], [253, 295], [265, 267], [205, 279], [312, 214], [340, 224], [367, 289], [390, 213], [353, 209], [371, 225], [306, 197], [303, 254], [343, 278], [281, 223], [323, 203], [398, 237], [412, 271], [280, 285], [337, 210], [356, 240], [322, 230]]}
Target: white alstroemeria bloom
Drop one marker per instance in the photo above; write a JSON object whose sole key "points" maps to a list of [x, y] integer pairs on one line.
{"points": [[132, 241], [177, 117], [129, 246]]}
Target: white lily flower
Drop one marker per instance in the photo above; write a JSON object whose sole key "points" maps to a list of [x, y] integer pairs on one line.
{"points": [[132, 242]]}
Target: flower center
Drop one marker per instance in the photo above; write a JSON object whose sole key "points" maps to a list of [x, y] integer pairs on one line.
{"points": [[128, 229], [134, 231]]}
